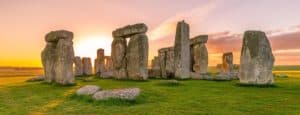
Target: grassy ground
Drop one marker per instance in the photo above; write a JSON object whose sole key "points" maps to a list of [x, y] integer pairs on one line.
{"points": [[190, 97]]}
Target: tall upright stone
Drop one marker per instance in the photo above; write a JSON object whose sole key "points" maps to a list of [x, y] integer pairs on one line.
{"points": [[137, 57], [182, 51], [118, 55], [87, 66], [99, 62], [48, 61], [256, 61], [199, 54], [78, 66], [162, 54], [58, 57]]}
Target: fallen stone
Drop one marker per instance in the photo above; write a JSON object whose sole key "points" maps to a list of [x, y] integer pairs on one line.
{"points": [[88, 90], [124, 94]]}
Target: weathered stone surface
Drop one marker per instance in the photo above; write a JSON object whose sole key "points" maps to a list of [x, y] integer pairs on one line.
{"points": [[99, 63], [54, 36], [166, 58], [195, 75], [88, 90], [182, 51], [118, 56], [256, 61], [199, 39], [137, 57], [78, 66], [124, 94], [155, 68], [87, 66], [58, 56], [130, 30], [64, 64], [199, 54], [48, 60]]}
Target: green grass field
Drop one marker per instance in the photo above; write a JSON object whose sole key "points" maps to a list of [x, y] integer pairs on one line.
{"points": [[190, 97]]}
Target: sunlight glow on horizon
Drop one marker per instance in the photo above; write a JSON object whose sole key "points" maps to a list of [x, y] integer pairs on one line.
{"points": [[88, 46]]}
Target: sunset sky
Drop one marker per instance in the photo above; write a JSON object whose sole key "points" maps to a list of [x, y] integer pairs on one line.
{"points": [[24, 23]]}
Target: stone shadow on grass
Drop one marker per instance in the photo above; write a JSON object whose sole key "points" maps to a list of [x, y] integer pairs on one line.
{"points": [[257, 85]]}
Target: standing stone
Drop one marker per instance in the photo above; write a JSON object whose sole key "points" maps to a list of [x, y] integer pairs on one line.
{"points": [[257, 59], [48, 61], [162, 54], [87, 66], [199, 54], [155, 67], [99, 62], [170, 67], [78, 66], [137, 57], [58, 56], [118, 56], [182, 51]]}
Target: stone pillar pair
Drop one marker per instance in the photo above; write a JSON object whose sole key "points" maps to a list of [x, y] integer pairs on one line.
{"points": [[166, 59], [130, 62], [83, 67], [199, 54], [57, 57]]}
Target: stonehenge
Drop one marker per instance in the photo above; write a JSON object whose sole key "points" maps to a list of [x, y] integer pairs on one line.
{"points": [[87, 66], [257, 60], [57, 57], [182, 51], [187, 58], [130, 62]]}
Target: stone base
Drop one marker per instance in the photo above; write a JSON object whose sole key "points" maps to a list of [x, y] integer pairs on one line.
{"points": [[202, 76]]}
